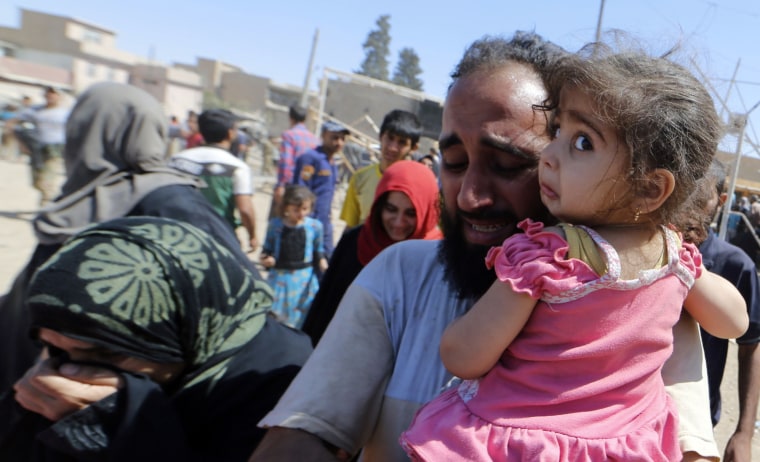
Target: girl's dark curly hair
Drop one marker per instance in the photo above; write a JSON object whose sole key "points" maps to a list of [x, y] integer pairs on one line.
{"points": [[662, 113]]}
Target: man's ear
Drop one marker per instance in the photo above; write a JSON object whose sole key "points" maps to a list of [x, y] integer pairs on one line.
{"points": [[659, 186], [722, 198]]}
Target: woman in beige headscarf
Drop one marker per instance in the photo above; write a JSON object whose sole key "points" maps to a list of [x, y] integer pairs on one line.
{"points": [[115, 167]]}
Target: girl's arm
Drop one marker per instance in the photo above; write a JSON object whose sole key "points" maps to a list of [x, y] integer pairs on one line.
{"points": [[323, 264], [717, 306], [472, 344], [267, 261]]}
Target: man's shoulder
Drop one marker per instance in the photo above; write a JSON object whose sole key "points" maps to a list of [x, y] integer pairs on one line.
{"points": [[366, 173], [368, 169], [298, 131], [725, 253], [209, 154], [414, 256], [311, 155], [209, 161]]}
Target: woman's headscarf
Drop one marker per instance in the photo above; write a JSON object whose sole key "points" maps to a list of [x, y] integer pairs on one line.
{"points": [[153, 288], [419, 183], [115, 154]]}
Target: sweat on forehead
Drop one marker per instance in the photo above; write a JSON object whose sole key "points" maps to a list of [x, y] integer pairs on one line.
{"points": [[498, 107]]}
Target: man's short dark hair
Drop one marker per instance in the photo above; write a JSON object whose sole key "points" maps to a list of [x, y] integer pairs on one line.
{"points": [[493, 52], [402, 123], [215, 124], [297, 113]]}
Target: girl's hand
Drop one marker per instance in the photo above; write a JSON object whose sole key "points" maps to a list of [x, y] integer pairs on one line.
{"points": [[267, 261], [57, 393], [323, 264]]}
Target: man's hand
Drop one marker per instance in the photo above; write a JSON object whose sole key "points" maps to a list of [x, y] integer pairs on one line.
{"points": [[56, 393], [739, 448], [692, 456]]}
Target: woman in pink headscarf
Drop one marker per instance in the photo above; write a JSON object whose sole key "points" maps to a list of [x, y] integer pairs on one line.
{"points": [[405, 207]]}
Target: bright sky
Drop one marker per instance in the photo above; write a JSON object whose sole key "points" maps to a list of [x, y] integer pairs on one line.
{"points": [[274, 38]]}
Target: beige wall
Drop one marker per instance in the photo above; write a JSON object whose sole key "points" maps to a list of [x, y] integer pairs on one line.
{"points": [[178, 90], [244, 91], [87, 72], [90, 34], [180, 99]]}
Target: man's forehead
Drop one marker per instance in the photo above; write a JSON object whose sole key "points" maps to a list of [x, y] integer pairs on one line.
{"points": [[493, 119], [492, 96]]}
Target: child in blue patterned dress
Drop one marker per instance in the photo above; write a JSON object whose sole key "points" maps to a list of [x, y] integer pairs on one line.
{"points": [[292, 250]]}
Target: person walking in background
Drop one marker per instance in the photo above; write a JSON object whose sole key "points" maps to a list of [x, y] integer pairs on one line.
{"points": [[431, 162], [292, 250], [176, 141], [293, 143], [399, 134], [316, 169], [228, 178], [193, 137], [158, 347], [405, 207], [269, 148], [50, 132], [737, 267], [562, 355]]}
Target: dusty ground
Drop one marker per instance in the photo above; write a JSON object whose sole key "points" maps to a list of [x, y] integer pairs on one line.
{"points": [[18, 201]]}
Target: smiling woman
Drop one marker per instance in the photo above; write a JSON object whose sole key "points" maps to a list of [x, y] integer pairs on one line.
{"points": [[173, 336], [405, 207]]}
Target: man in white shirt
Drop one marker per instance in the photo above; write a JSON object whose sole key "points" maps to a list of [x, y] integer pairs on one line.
{"points": [[228, 179]]}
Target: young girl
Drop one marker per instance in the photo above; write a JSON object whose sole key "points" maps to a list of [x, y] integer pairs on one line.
{"points": [[293, 247], [563, 353]]}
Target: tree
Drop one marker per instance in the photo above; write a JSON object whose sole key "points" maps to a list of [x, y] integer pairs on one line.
{"points": [[377, 49], [408, 69]]}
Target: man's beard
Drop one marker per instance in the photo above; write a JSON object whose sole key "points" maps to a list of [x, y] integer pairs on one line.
{"points": [[464, 263]]}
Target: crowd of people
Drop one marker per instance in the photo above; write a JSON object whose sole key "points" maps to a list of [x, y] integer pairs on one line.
{"points": [[533, 291]]}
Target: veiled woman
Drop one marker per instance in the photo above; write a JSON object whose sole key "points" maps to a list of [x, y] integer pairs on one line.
{"points": [[115, 165], [175, 335]]}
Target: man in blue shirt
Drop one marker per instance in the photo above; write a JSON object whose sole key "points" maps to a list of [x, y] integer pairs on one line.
{"points": [[732, 263], [316, 170]]}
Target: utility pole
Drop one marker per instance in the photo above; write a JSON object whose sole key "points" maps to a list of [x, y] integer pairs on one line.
{"points": [[741, 119], [730, 85], [599, 23], [305, 91]]}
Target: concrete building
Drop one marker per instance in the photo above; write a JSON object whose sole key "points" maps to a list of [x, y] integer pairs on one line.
{"points": [[178, 90], [89, 54], [21, 78]]}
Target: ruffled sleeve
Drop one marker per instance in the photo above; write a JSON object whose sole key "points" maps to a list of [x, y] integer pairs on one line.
{"points": [[535, 262], [690, 260]]}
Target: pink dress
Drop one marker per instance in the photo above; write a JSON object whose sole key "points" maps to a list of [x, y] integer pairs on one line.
{"points": [[582, 381]]}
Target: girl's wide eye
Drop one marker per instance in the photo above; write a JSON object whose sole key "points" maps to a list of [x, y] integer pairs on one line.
{"points": [[582, 143]]}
